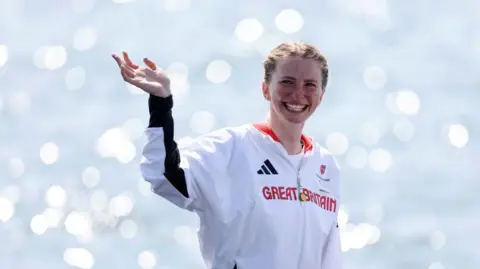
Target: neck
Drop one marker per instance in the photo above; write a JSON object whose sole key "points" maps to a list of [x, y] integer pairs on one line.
{"points": [[289, 134]]}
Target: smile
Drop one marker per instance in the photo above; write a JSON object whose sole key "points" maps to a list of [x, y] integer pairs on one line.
{"points": [[294, 108]]}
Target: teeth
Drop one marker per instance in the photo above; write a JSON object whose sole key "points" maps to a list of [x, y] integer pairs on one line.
{"points": [[296, 108]]}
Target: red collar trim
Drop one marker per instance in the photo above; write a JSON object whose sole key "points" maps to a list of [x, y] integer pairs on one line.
{"points": [[262, 127]]}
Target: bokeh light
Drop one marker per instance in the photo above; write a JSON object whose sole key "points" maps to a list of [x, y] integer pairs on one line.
{"points": [[128, 229], [289, 21], [56, 196], [3, 55], [49, 153], [39, 224], [458, 135], [19, 102], [218, 71], [176, 5], [85, 38], [357, 157], [436, 265], [404, 130], [7, 209], [437, 240], [79, 258], [370, 133], [249, 30], [202, 122], [146, 260], [17, 167], [375, 77], [50, 57], [380, 160], [75, 78], [407, 102], [115, 143], [337, 143], [82, 6], [90, 177]]}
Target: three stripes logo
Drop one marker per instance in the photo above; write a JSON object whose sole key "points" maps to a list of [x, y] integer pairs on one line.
{"points": [[267, 169]]}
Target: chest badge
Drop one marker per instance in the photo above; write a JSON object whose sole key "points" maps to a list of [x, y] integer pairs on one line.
{"points": [[321, 175]]}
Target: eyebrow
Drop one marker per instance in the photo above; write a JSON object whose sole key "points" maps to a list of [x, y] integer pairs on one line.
{"points": [[307, 80]]}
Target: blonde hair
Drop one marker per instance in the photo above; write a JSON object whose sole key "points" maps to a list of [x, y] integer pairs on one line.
{"points": [[295, 49]]}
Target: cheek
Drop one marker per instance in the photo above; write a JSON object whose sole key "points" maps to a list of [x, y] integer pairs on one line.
{"points": [[282, 92], [276, 94], [316, 98]]}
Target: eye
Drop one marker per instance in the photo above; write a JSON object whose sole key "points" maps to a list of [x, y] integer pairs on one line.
{"points": [[311, 84], [287, 82]]}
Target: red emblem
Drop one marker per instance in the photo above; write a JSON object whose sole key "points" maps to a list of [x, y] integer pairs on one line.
{"points": [[322, 169]]}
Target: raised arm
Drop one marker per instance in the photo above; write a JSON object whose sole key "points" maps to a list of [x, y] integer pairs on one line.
{"points": [[161, 157], [182, 176]]}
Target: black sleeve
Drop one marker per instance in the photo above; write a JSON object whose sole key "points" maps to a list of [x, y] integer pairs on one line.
{"points": [[161, 116]]}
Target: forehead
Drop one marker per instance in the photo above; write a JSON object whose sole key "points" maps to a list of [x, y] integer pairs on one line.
{"points": [[299, 68]]}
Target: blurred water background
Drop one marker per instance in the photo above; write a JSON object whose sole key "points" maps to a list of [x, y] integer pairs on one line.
{"points": [[400, 113]]}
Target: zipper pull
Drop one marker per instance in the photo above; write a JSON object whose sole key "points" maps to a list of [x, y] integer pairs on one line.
{"points": [[302, 196]]}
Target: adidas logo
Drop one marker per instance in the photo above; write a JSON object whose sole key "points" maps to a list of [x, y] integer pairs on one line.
{"points": [[267, 169]]}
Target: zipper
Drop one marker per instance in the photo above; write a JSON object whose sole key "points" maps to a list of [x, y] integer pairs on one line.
{"points": [[301, 196], [301, 199]]}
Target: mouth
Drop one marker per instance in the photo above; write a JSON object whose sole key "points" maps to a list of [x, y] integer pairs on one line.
{"points": [[294, 108]]}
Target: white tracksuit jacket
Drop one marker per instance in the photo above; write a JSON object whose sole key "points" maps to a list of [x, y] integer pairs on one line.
{"points": [[248, 194]]}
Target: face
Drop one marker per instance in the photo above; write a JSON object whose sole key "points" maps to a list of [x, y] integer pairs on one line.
{"points": [[295, 90]]}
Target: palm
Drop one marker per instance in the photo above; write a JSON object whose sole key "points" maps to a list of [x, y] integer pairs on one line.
{"points": [[149, 78]]}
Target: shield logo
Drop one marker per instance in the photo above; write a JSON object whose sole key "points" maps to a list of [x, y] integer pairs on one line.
{"points": [[322, 169]]}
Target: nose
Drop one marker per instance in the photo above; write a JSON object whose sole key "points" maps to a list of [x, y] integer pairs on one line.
{"points": [[299, 90], [296, 95]]}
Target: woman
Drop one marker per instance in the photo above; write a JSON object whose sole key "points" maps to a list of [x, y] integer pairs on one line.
{"points": [[267, 196]]}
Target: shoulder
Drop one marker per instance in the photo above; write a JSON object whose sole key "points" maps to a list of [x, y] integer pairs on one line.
{"points": [[329, 169], [225, 133], [328, 164], [327, 156], [222, 137]]}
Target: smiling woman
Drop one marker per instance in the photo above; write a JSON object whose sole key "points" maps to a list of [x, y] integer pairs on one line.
{"points": [[255, 187], [296, 76]]}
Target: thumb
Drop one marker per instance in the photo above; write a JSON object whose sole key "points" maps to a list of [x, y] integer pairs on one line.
{"points": [[150, 64]]}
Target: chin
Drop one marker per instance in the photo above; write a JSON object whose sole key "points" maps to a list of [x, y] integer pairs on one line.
{"points": [[295, 120], [295, 117]]}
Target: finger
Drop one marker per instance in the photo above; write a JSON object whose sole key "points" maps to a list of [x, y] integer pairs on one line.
{"points": [[118, 60], [129, 77], [128, 61], [150, 64], [127, 74]]}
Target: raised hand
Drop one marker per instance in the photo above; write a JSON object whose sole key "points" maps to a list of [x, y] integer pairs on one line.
{"points": [[149, 78]]}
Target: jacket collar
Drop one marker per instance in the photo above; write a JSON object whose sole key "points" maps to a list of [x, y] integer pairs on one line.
{"points": [[263, 128]]}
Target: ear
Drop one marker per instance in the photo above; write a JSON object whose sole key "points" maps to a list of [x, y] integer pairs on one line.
{"points": [[266, 91]]}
